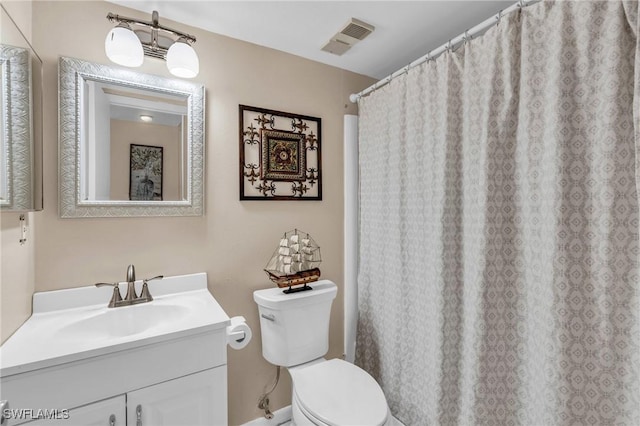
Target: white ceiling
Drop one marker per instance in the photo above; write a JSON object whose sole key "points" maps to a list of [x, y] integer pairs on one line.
{"points": [[404, 30]]}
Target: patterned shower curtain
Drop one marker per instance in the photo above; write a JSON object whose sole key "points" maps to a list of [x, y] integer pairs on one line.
{"points": [[499, 251]]}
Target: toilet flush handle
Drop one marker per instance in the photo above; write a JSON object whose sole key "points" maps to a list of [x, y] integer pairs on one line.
{"points": [[268, 317]]}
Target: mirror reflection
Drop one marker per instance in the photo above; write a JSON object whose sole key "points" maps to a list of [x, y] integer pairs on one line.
{"points": [[135, 144], [20, 121]]}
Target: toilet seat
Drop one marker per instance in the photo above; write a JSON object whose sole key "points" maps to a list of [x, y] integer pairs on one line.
{"points": [[337, 393]]}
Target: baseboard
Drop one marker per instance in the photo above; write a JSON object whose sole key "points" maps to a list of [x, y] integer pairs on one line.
{"points": [[284, 415], [280, 416], [398, 422]]}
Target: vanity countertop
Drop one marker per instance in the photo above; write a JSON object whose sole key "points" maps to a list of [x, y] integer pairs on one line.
{"points": [[74, 324]]}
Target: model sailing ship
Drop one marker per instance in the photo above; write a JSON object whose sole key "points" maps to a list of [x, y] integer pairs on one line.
{"points": [[295, 262]]}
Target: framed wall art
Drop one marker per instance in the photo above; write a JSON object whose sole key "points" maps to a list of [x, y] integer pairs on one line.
{"points": [[145, 173], [279, 155]]}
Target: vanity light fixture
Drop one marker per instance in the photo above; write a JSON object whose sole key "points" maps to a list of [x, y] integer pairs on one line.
{"points": [[146, 118], [127, 47]]}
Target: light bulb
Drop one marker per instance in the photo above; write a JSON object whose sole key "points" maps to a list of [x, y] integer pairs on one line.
{"points": [[182, 60], [123, 47]]}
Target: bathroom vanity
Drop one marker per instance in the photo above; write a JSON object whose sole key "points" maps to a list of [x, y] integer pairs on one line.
{"points": [[81, 363]]}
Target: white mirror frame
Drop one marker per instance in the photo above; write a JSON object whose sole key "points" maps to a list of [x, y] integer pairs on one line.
{"points": [[73, 73]]}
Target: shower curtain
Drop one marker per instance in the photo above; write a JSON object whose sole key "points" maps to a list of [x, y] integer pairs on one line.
{"points": [[498, 280]]}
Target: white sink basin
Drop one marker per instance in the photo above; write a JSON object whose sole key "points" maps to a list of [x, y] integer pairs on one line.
{"points": [[73, 324], [122, 322]]}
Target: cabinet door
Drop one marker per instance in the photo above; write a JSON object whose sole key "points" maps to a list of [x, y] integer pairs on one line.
{"points": [[109, 412], [197, 399]]}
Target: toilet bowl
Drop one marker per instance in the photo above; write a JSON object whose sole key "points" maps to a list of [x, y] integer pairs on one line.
{"points": [[336, 393], [295, 335]]}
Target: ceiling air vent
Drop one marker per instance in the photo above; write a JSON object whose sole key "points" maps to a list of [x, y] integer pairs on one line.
{"points": [[357, 29], [354, 31]]}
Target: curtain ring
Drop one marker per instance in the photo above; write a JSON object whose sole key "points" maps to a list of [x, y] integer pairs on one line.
{"points": [[520, 4], [498, 17], [448, 48], [428, 57], [466, 36], [407, 68]]}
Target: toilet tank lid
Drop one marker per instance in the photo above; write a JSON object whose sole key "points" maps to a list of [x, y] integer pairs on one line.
{"points": [[274, 298]]}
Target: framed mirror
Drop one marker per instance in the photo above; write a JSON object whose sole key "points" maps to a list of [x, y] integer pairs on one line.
{"points": [[131, 144], [20, 122]]}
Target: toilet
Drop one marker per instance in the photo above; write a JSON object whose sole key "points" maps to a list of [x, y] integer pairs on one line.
{"points": [[295, 335]]}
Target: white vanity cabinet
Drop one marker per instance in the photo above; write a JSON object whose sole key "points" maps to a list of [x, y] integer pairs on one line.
{"points": [[168, 371], [193, 400]]}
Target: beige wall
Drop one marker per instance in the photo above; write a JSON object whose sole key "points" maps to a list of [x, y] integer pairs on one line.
{"points": [[20, 12], [16, 260], [234, 239], [123, 134], [16, 272]]}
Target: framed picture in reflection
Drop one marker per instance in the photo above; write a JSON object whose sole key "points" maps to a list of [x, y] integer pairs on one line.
{"points": [[145, 173]]}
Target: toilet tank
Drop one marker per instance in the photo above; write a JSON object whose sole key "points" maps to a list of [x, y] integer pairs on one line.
{"points": [[295, 327]]}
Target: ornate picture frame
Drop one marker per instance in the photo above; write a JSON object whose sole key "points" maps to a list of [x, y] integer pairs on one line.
{"points": [[279, 155]]}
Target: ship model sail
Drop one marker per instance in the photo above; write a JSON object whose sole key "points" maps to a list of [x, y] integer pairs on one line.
{"points": [[295, 262]]}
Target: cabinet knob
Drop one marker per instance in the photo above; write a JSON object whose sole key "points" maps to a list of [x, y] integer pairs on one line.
{"points": [[4, 405], [112, 420], [139, 415]]}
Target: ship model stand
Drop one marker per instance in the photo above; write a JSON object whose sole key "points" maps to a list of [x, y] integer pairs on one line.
{"points": [[294, 264]]}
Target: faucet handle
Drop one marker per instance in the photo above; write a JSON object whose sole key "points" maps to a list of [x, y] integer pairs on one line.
{"points": [[145, 295], [106, 284], [115, 298]]}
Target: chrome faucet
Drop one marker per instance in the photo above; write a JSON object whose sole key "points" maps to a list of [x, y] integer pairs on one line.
{"points": [[131, 298]]}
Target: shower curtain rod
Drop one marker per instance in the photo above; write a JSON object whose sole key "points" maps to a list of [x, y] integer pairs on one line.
{"points": [[450, 45]]}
